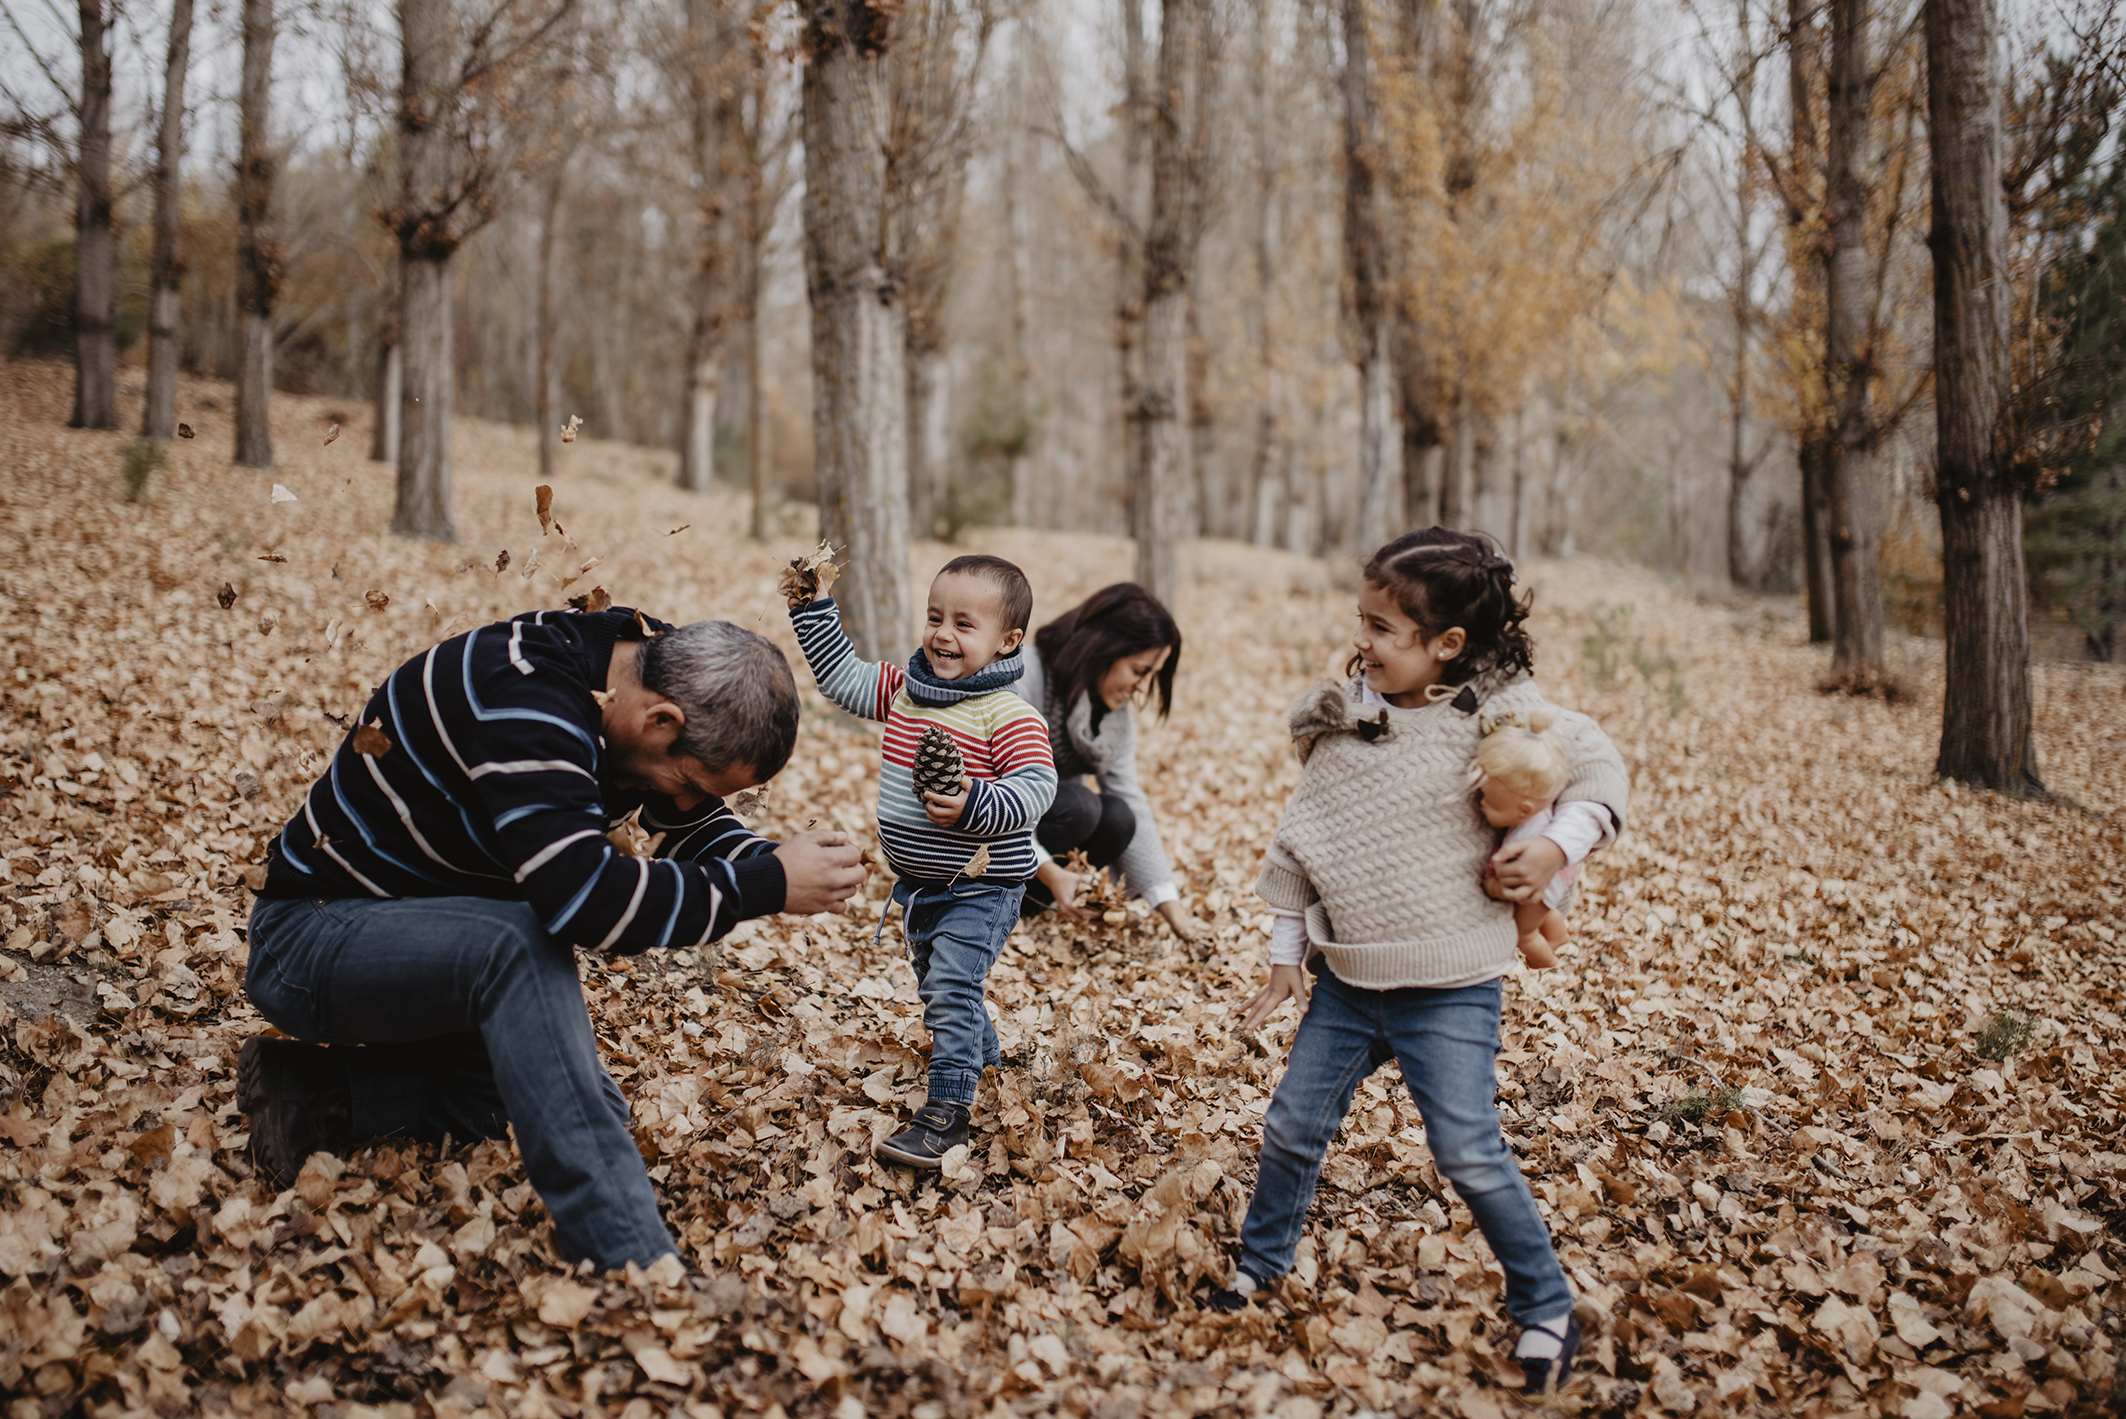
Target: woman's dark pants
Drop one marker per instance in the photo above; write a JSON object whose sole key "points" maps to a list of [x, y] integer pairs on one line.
{"points": [[1098, 824]]}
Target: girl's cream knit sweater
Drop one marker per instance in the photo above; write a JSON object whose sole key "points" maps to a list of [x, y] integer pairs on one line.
{"points": [[1382, 846]]}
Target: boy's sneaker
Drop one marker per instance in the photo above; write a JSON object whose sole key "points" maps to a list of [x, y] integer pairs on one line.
{"points": [[296, 1099], [1546, 1356], [1236, 1297], [937, 1129]]}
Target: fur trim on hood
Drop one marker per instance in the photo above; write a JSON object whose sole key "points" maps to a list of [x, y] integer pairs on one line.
{"points": [[1326, 708]]}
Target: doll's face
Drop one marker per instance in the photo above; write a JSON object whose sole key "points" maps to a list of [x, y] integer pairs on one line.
{"points": [[1505, 806]]}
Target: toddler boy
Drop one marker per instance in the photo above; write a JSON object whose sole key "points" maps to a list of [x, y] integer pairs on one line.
{"points": [[955, 920]]}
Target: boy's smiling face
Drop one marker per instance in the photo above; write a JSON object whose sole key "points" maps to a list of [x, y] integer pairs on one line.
{"points": [[965, 627]]}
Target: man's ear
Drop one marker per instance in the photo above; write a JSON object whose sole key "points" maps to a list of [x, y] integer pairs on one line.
{"points": [[662, 723]]}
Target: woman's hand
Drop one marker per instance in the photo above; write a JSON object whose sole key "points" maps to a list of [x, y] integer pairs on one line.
{"points": [[945, 810], [1178, 918], [1062, 886], [1286, 983]]}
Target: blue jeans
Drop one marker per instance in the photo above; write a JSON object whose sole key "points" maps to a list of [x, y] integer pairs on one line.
{"points": [[474, 1023], [1445, 1041], [954, 932]]}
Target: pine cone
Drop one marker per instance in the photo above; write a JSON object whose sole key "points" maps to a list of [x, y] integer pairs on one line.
{"points": [[938, 765]]}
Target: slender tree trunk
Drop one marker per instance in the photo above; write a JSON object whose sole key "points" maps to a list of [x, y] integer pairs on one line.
{"points": [[1815, 459], [390, 385], [95, 336], [1180, 140], [926, 377], [1739, 465], [1857, 641], [1018, 231], [1986, 710], [166, 267], [1366, 260], [545, 416], [1516, 542], [756, 392], [258, 273], [1129, 260], [426, 246], [1265, 493], [1458, 472], [704, 353], [858, 337], [390, 373], [1806, 254], [424, 401]]}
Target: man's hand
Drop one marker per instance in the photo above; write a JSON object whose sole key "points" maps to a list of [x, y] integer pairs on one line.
{"points": [[1525, 867], [821, 871], [1286, 983], [943, 810]]}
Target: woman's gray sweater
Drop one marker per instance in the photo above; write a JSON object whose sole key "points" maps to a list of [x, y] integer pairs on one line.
{"points": [[1111, 758]]}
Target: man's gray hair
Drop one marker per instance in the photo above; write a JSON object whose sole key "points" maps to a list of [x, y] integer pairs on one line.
{"points": [[735, 689]]}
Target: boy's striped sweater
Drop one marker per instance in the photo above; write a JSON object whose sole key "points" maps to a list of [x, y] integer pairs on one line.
{"points": [[497, 784], [1003, 740]]}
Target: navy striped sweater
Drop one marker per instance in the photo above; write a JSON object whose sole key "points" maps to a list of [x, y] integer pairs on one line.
{"points": [[497, 784]]}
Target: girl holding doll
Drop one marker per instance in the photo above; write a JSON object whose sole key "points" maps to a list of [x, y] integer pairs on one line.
{"points": [[1376, 877]]}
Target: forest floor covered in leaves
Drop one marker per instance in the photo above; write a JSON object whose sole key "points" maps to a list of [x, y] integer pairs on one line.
{"points": [[1823, 1103]]}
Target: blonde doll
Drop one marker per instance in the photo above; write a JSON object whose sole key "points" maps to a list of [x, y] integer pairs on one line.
{"points": [[1519, 772]]}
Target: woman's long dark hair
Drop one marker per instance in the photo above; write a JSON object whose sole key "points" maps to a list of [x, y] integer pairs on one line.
{"points": [[1441, 579], [1077, 647]]}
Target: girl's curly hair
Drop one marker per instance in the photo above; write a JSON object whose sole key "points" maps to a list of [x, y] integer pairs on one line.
{"points": [[1441, 579]]}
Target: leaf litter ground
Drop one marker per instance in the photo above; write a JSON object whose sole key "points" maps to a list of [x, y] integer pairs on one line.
{"points": [[1823, 1104]]}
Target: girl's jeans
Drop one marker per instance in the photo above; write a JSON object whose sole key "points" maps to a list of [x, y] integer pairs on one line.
{"points": [[954, 932], [472, 1023], [1445, 1041]]}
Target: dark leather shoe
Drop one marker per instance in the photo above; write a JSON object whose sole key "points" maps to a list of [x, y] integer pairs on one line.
{"points": [[296, 1099], [937, 1129], [1548, 1376]]}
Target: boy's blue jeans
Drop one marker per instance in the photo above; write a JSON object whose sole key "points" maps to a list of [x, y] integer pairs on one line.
{"points": [[955, 931], [1445, 1041], [474, 1022]]}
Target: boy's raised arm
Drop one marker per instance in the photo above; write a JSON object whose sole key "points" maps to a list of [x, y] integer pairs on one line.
{"points": [[863, 688]]}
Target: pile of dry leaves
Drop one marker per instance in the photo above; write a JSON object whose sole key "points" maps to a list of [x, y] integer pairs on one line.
{"points": [[1823, 1105]]}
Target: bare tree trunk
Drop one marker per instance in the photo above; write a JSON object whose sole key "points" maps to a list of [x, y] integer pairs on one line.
{"points": [[545, 416], [426, 245], [1180, 155], [1516, 540], [258, 272], [95, 337], [390, 385], [1857, 641], [1265, 495], [928, 441], [859, 405], [1366, 259], [1136, 122], [1805, 252], [706, 132], [1456, 473], [1986, 710], [166, 267], [1815, 460], [1018, 232], [424, 401], [756, 403]]}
